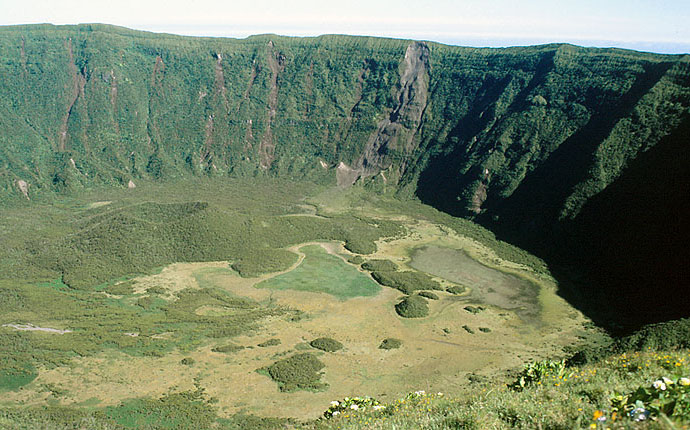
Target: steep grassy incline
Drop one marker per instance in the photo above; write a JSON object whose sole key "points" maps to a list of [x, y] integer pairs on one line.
{"points": [[524, 140]]}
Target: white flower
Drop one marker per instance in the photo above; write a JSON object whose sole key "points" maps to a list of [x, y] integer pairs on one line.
{"points": [[659, 385], [379, 407], [684, 381], [354, 407], [439, 394], [667, 381], [335, 403], [420, 393], [639, 414], [335, 413]]}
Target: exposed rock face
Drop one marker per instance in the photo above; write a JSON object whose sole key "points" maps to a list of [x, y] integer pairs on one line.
{"points": [[23, 188], [276, 63], [131, 185], [395, 134]]}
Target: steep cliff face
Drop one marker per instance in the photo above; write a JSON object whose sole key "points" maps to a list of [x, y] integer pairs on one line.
{"points": [[521, 139]]}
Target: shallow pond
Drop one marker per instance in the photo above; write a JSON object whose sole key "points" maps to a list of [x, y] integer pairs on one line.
{"points": [[488, 285]]}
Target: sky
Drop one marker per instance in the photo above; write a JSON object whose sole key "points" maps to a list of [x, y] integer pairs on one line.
{"points": [[646, 25]]}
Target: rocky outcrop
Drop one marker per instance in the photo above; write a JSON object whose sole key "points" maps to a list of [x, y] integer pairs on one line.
{"points": [[394, 137]]}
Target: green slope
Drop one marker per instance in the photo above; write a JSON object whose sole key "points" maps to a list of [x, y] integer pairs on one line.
{"points": [[521, 139]]}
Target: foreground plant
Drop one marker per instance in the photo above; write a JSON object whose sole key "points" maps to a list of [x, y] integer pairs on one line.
{"points": [[665, 396], [350, 404]]}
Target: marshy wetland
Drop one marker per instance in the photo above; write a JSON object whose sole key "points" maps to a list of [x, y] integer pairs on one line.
{"points": [[204, 323]]}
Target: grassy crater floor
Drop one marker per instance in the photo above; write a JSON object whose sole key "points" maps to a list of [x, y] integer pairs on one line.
{"points": [[202, 325]]}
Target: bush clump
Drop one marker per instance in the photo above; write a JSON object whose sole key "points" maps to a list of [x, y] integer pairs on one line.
{"points": [[456, 289], [468, 329], [298, 372], [360, 246], [412, 307], [390, 343], [379, 266], [407, 282], [269, 342], [326, 344], [357, 259], [474, 309], [187, 361], [260, 261], [228, 349], [485, 329], [428, 295]]}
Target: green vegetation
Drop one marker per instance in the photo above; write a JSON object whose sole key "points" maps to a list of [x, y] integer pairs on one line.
{"points": [[485, 329], [406, 282], [455, 289], [379, 266], [228, 349], [474, 309], [428, 295], [269, 342], [16, 375], [356, 259], [412, 307], [642, 390], [101, 323], [390, 343], [298, 372], [188, 410], [468, 329], [326, 344], [323, 272], [120, 289], [554, 147]]}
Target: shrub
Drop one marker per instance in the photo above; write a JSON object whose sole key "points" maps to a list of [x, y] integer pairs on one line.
{"points": [[360, 246], [533, 373], [326, 344], [187, 361], [298, 372], [357, 259], [456, 289], [667, 396], [468, 329], [485, 329], [428, 295], [379, 266], [390, 343], [228, 349], [474, 309], [269, 342], [412, 307], [407, 282]]}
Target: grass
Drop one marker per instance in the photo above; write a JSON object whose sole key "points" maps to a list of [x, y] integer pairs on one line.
{"points": [[100, 323], [324, 273], [571, 398]]}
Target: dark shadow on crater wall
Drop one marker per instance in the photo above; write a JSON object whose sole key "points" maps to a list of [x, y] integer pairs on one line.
{"points": [[624, 260]]}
